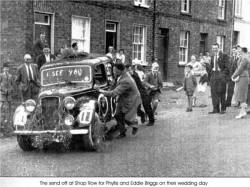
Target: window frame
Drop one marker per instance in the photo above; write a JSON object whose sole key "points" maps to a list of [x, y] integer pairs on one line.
{"points": [[88, 31], [238, 9], [186, 33], [143, 3], [222, 8], [144, 44], [42, 23], [188, 11]]}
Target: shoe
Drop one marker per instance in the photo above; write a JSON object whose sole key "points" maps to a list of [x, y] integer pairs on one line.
{"points": [[150, 124], [189, 110], [202, 106], [223, 112], [143, 119], [240, 116], [134, 131], [213, 112], [122, 135]]}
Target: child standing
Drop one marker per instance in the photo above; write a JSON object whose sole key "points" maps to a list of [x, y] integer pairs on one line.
{"points": [[190, 84], [6, 82]]}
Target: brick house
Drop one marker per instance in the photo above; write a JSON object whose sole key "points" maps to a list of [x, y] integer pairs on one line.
{"points": [[168, 31], [186, 27]]}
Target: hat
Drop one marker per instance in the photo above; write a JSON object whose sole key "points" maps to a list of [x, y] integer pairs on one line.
{"points": [[27, 56], [119, 66], [5, 65]]}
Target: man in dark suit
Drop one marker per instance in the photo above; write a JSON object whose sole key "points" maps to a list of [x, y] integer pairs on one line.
{"points": [[39, 45], [146, 99], [218, 73], [46, 57], [27, 79], [230, 83], [128, 99]]}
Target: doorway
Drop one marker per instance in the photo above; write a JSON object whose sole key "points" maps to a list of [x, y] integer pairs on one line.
{"points": [[163, 39], [111, 35], [43, 25], [203, 43]]}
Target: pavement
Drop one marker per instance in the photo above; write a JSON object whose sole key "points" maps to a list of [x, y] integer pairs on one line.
{"points": [[181, 144]]}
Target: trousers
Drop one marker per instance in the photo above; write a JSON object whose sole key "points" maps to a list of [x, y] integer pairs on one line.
{"points": [[218, 91]]}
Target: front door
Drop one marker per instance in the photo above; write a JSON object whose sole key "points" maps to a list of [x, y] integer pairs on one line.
{"points": [[163, 52], [111, 35], [43, 25]]}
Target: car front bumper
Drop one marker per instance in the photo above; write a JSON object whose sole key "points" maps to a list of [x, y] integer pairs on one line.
{"points": [[73, 132]]}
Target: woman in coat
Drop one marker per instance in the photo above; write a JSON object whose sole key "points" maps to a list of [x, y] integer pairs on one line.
{"points": [[241, 77]]}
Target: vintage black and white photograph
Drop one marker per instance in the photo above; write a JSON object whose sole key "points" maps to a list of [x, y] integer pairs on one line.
{"points": [[125, 88]]}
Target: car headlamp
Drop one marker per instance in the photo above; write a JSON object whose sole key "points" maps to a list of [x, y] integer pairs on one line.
{"points": [[30, 105], [69, 120], [69, 103]]}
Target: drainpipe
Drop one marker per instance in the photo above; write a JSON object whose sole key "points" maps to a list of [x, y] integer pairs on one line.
{"points": [[232, 33], [154, 25]]}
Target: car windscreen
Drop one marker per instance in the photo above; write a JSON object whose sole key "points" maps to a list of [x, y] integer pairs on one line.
{"points": [[66, 74]]}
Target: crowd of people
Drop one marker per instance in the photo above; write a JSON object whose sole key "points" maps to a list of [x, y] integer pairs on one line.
{"points": [[138, 93], [223, 78], [228, 78]]}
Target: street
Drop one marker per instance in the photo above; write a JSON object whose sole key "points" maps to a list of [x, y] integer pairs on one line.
{"points": [[181, 144]]}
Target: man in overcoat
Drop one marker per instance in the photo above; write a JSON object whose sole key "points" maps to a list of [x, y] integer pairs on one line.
{"points": [[128, 99], [218, 73], [27, 79]]}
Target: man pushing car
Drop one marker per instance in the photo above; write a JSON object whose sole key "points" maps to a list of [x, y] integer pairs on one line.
{"points": [[128, 99]]}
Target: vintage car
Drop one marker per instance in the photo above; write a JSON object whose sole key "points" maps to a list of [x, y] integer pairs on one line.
{"points": [[69, 109]]}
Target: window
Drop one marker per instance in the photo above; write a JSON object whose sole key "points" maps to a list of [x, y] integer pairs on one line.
{"points": [[42, 18], [185, 6], [100, 77], [221, 41], [81, 33], [238, 8], [221, 9], [139, 43], [142, 3], [183, 53]]}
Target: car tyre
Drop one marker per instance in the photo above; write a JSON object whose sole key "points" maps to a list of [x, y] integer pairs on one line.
{"points": [[25, 142], [93, 141]]}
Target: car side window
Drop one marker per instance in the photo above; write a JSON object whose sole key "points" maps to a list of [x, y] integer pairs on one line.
{"points": [[100, 75]]}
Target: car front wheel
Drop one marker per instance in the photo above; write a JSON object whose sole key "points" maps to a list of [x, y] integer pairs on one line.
{"points": [[25, 142], [93, 141]]}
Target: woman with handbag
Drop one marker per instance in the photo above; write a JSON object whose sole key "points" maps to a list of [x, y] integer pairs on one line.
{"points": [[241, 78]]}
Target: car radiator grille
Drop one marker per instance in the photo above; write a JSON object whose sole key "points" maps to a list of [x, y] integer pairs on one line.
{"points": [[50, 115]]}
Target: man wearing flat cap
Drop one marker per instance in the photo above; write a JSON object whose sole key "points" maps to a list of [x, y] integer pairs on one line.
{"points": [[46, 57], [27, 79], [128, 99]]}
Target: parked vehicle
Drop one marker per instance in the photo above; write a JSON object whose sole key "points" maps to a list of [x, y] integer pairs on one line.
{"points": [[69, 110]]}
